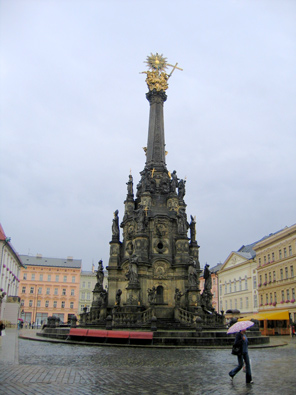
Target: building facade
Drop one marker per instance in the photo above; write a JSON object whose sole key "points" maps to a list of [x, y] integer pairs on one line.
{"points": [[276, 258], [10, 267], [238, 282], [49, 286]]}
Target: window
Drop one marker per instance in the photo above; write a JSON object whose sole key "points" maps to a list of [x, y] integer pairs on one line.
{"points": [[235, 303], [39, 290], [274, 276], [285, 252], [272, 257], [230, 287], [30, 303], [226, 305], [286, 272], [282, 274], [23, 290], [47, 291], [88, 296], [63, 304], [64, 291], [293, 293], [240, 284], [280, 254], [290, 250], [47, 303], [49, 277], [259, 261], [83, 284], [22, 302], [234, 285], [25, 276], [83, 295], [230, 302], [270, 297], [55, 304], [260, 279], [255, 301], [220, 289], [88, 285], [283, 296], [57, 278], [288, 294], [214, 282], [41, 277], [31, 290], [241, 303], [261, 299], [71, 305], [246, 282], [159, 294], [33, 276], [269, 275], [292, 271], [254, 282], [275, 298], [55, 291], [65, 279], [73, 279], [268, 258], [265, 259], [72, 292], [38, 303], [247, 302], [266, 298], [265, 276]]}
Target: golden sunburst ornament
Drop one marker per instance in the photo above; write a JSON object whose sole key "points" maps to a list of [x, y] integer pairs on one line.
{"points": [[156, 62]]}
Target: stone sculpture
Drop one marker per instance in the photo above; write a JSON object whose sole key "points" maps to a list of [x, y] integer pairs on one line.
{"points": [[115, 226], [100, 274], [177, 297], [118, 297], [181, 189], [192, 273], [151, 295]]}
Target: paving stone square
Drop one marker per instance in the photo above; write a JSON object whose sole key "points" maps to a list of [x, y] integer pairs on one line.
{"points": [[53, 368]]}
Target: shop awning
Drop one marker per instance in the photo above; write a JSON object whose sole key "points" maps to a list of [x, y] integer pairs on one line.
{"points": [[275, 315]]}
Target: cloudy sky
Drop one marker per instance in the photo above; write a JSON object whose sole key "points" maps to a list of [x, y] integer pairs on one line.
{"points": [[74, 118]]}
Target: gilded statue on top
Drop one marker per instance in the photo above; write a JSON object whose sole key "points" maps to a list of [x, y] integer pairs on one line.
{"points": [[157, 78]]}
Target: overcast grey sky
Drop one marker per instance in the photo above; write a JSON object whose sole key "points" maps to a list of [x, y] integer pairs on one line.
{"points": [[74, 118]]}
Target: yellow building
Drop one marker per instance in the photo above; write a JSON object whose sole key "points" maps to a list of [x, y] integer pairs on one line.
{"points": [[49, 286], [276, 258]]}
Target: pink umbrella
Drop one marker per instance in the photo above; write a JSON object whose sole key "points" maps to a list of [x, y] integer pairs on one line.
{"points": [[240, 326]]}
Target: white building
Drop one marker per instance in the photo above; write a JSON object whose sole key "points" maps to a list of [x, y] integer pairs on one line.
{"points": [[10, 265], [238, 282]]}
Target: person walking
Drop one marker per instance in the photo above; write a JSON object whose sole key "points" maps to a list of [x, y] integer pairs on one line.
{"points": [[241, 341], [2, 327]]}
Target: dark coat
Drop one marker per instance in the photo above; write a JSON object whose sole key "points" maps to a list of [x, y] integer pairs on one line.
{"points": [[2, 327], [238, 342]]}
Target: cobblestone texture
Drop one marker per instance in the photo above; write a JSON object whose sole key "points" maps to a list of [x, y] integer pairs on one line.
{"points": [[46, 368]]}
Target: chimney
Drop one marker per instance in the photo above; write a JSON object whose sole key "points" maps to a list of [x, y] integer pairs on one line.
{"points": [[93, 268], [39, 256], [69, 258]]}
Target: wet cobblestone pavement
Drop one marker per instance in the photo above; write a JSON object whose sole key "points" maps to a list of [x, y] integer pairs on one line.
{"points": [[50, 368]]}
